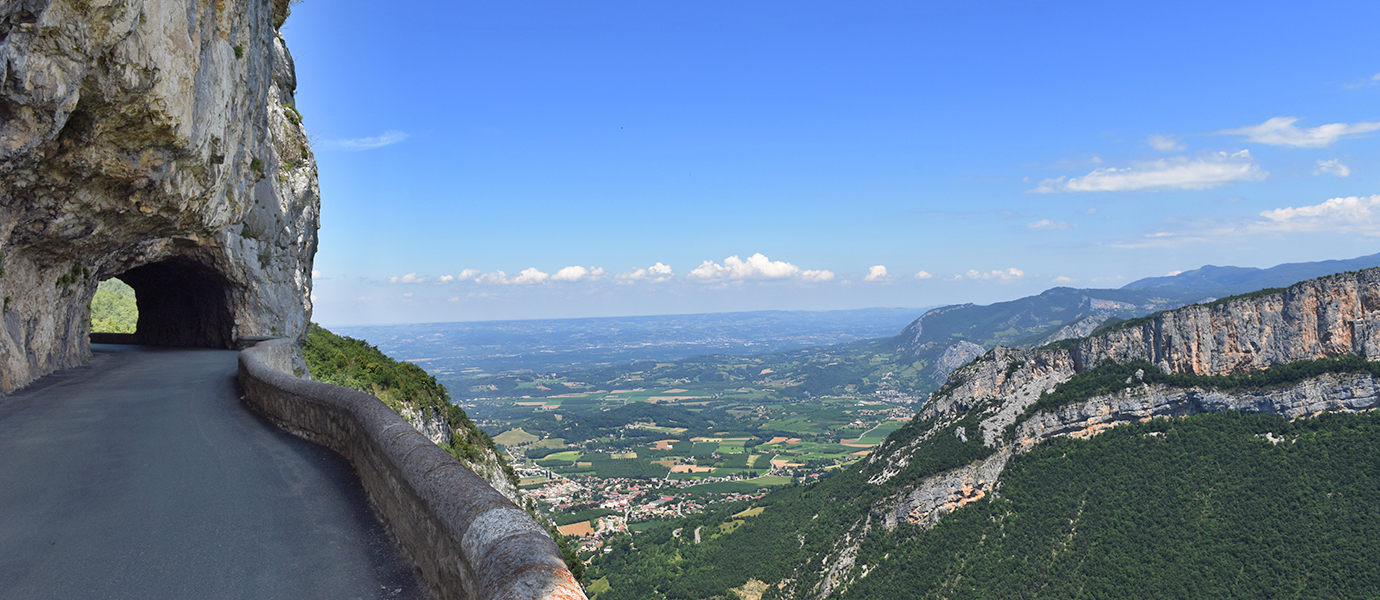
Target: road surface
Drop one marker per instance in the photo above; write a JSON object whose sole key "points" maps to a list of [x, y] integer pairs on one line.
{"points": [[141, 474]]}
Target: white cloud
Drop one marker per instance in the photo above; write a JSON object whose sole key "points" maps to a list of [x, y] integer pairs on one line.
{"points": [[1332, 167], [1062, 279], [577, 273], [1007, 275], [526, 277], [1165, 143], [1280, 131], [408, 278], [529, 276], [656, 273], [756, 266], [923, 275], [876, 273], [390, 137], [1172, 273], [468, 274], [316, 274], [1367, 82], [1091, 211], [445, 279], [495, 277], [1047, 224], [1179, 172], [1338, 215]]}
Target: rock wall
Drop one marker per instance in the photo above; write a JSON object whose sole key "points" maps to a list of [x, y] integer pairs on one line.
{"points": [[1325, 317], [431, 424], [156, 141]]}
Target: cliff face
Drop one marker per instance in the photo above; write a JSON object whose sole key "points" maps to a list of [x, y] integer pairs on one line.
{"points": [[155, 141], [1321, 318], [488, 464]]}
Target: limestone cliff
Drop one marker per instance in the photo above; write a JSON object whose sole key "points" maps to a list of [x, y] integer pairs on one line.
{"points": [[1330, 316], [155, 141], [1327, 317]]}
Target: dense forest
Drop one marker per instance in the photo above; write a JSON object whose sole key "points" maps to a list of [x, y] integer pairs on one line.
{"points": [[1227, 505]]}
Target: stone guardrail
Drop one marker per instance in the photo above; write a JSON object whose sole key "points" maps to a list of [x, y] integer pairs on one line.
{"points": [[469, 541]]}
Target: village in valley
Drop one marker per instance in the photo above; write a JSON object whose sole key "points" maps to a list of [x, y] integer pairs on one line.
{"points": [[625, 461]]}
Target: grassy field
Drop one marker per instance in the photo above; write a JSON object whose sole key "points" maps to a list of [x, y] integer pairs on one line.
{"points": [[645, 525], [878, 434], [552, 443], [515, 437], [599, 586]]}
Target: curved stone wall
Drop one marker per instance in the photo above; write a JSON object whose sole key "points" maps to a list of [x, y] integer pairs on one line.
{"points": [[469, 541]]}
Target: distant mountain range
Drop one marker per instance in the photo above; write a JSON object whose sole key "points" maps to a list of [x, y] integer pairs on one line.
{"points": [[948, 337], [1212, 280]]}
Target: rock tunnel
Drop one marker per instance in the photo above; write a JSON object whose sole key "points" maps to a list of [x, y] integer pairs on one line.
{"points": [[181, 303]]}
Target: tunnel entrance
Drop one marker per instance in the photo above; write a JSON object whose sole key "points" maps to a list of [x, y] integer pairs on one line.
{"points": [[181, 303]]}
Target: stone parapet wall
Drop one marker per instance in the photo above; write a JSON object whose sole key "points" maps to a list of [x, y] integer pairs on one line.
{"points": [[469, 541]]}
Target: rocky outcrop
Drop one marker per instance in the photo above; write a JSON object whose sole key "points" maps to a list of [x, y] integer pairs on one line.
{"points": [[430, 423], [155, 141], [1325, 317], [1325, 394], [937, 496]]}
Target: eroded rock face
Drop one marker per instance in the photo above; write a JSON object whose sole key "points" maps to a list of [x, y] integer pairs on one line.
{"points": [[1319, 318], [431, 424], [156, 141]]}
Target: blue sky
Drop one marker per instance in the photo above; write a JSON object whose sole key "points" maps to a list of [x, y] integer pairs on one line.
{"points": [[528, 159]]}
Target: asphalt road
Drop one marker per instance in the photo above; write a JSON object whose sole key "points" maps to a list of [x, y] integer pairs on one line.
{"points": [[142, 475]]}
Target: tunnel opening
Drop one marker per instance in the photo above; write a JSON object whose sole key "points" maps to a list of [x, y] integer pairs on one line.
{"points": [[181, 303]]}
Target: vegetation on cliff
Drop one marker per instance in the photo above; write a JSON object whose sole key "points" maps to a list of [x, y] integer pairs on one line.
{"points": [[1110, 378], [352, 363]]}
